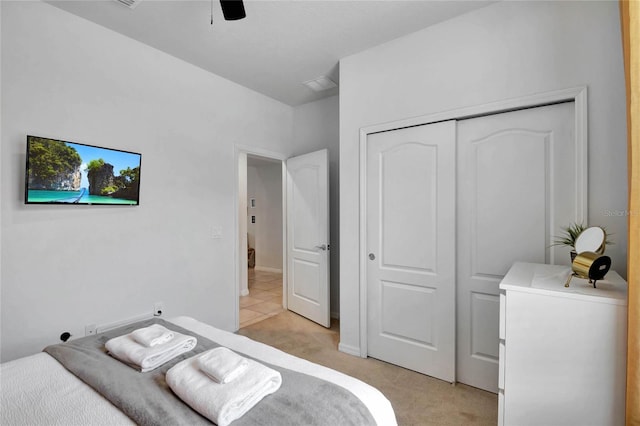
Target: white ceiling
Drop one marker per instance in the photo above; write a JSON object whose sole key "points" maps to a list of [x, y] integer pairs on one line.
{"points": [[279, 45]]}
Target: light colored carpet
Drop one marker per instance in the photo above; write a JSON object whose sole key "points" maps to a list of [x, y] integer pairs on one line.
{"points": [[417, 399]]}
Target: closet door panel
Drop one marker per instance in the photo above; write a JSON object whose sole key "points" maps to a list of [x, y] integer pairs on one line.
{"points": [[408, 179], [508, 182], [517, 186], [411, 248]]}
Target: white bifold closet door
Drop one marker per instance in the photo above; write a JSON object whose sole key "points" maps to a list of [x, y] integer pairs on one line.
{"points": [[411, 248], [450, 207], [517, 185]]}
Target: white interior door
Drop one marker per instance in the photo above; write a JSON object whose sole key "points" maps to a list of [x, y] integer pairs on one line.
{"points": [[308, 236], [517, 185], [411, 248]]}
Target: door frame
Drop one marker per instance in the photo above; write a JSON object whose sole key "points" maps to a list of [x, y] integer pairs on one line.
{"points": [[240, 206], [578, 95]]}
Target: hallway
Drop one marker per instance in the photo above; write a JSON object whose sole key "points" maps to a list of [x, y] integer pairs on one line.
{"points": [[264, 299]]}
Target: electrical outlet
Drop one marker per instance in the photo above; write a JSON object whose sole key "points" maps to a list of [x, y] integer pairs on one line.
{"points": [[158, 308], [90, 329]]}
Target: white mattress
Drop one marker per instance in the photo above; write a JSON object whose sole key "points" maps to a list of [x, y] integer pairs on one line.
{"points": [[37, 390]]}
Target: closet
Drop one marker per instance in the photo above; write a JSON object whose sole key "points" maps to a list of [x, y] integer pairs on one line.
{"points": [[450, 206]]}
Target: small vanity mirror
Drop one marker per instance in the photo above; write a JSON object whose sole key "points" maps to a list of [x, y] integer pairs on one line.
{"points": [[591, 239]]}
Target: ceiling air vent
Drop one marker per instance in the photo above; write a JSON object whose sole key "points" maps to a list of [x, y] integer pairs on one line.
{"points": [[131, 4], [320, 84]]}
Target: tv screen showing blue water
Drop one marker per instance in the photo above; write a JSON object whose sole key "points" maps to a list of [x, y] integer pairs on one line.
{"points": [[63, 172]]}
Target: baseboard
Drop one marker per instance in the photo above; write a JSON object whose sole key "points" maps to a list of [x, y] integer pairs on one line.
{"points": [[244, 292], [335, 315], [267, 269], [348, 349]]}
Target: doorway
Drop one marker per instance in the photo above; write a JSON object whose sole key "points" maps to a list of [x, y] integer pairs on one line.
{"points": [[244, 155], [302, 231], [264, 241]]}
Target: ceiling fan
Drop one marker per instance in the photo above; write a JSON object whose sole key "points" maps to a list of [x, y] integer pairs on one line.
{"points": [[232, 10]]}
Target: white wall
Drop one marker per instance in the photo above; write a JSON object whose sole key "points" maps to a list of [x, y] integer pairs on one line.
{"points": [[503, 51], [1, 181], [316, 126], [67, 266], [264, 184]]}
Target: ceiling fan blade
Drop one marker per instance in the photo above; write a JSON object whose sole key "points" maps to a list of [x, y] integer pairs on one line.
{"points": [[232, 9]]}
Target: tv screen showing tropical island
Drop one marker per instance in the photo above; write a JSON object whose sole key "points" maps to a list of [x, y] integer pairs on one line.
{"points": [[72, 173]]}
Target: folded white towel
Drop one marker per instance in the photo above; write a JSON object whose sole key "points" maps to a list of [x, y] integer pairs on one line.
{"points": [[127, 350], [222, 365], [153, 335], [222, 403]]}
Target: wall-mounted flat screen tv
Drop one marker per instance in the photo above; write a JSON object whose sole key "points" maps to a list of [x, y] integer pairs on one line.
{"points": [[62, 172]]}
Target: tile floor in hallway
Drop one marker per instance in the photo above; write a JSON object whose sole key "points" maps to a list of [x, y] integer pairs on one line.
{"points": [[264, 299]]}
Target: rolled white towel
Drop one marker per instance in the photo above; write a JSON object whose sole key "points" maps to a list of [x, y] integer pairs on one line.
{"points": [[222, 403], [142, 358], [222, 365], [153, 335]]}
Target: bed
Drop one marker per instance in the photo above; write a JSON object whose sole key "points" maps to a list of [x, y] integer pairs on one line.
{"points": [[38, 390]]}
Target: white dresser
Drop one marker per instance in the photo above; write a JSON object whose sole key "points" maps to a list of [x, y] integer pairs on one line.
{"points": [[562, 350]]}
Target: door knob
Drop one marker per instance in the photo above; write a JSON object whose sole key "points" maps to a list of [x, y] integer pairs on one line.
{"points": [[322, 247], [372, 256]]}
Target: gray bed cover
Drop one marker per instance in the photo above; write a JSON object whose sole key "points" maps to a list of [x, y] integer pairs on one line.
{"points": [[147, 399]]}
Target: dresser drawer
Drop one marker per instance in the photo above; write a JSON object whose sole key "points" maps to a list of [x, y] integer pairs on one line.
{"points": [[503, 307], [501, 366]]}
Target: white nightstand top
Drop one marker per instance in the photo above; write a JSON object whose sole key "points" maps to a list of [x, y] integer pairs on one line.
{"points": [[550, 280]]}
